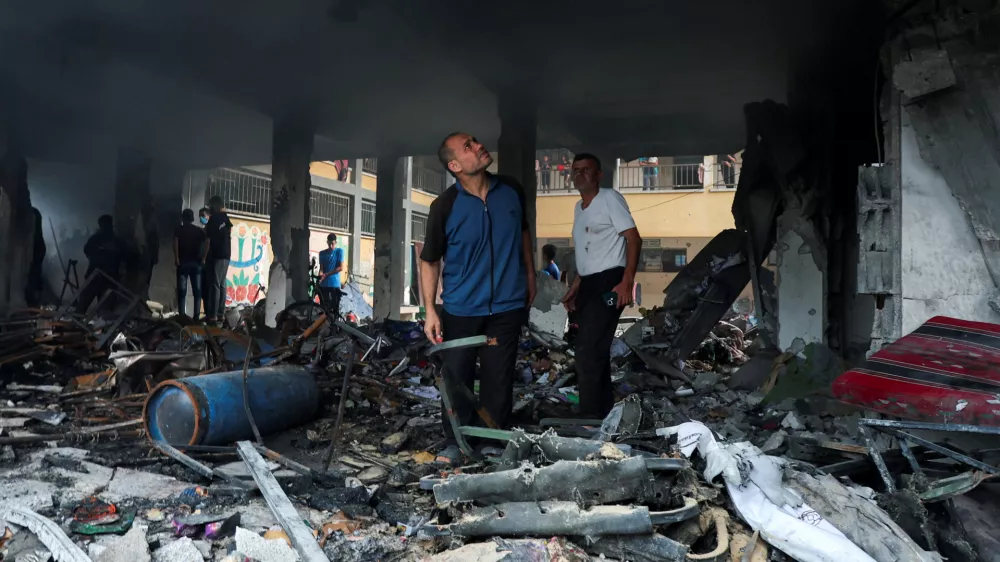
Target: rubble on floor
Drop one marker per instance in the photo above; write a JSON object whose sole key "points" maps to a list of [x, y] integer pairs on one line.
{"points": [[173, 441]]}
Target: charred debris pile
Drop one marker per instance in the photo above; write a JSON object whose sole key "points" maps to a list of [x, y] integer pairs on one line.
{"points": [[137, 438]]}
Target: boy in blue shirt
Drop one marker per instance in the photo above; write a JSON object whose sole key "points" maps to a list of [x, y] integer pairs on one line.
{"points": [[331, 263], [549, 258]]}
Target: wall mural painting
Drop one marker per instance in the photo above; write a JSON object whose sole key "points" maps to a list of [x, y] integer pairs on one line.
{"points": [[250, 263]]}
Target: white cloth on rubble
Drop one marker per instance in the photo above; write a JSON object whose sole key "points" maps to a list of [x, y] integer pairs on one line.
{"points": [[754, 482]]}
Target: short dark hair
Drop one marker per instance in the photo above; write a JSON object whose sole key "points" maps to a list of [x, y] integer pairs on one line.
{"points": [[445, 154], [588, 156], [330, 238], [204, 211], [187, 216], [106, 221], [549, 252], [216, 203]]}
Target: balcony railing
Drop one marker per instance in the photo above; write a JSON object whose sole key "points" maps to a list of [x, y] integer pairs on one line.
{"points": [[428, 180], [553, 181], [370, 165], [662, 177]]}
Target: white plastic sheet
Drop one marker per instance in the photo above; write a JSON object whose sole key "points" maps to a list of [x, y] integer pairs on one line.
{"points": [[753, 480]]}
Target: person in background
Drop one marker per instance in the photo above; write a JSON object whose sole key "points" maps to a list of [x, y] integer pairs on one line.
{"points": [[479, 244], [190, 255], [567, 168], [105, 252], [218, 231], [331, 263], [546, 173], [203, 216], [549, 259], [607, 247]]}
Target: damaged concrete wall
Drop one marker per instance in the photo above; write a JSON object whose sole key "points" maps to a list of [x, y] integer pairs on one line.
{"points": [[942, 263], [946, 69], [801, 292]]}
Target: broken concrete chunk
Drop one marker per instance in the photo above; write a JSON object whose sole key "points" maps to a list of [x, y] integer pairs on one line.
{"points": [[792, 422], [132, 547], [182, 550], [254, 546], [372, 474], [775, 442], [393, 443], [927, 72], [705, 381]]}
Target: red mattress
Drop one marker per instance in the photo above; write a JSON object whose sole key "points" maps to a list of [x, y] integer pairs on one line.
{"points": [[946, 371]]}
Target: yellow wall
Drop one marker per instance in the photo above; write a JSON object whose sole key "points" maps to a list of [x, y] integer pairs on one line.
{"points": [[421, 198], [369, 182], [323, 169], [657, 215]]}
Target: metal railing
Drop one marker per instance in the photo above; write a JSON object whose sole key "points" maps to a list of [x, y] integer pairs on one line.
{"points": [[428, 180], [725, 175], [661, 177], [245, 193], [553, 181], [368, 218], [370, 165], [330, 210], [418, 227]]}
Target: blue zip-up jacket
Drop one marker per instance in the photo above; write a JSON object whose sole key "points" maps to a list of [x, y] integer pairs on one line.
{"points": [[480, 243]]}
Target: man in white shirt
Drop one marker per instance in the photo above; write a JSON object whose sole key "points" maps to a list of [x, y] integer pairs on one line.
{"points": [[607, 247]]}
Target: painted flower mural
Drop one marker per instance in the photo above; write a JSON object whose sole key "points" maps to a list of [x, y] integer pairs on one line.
{"points": [[248, 268]]}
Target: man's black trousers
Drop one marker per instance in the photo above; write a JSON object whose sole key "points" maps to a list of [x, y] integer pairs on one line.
{"points": [[597, 324], [496, 364]]}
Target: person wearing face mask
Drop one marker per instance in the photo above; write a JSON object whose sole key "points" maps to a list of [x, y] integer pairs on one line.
{"points": [[203, 216]]}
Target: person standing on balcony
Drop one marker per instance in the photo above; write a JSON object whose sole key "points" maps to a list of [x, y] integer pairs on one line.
{"points": [[546, 169], [331, 263], [549, 258], [607, 247], [190, 254], [479, 228], [650, 171], [220, 250]]}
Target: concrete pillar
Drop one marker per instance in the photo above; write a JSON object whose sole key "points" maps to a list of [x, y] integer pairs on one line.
{"points": [[134, 220], [802, 286], [288, 279], [617, 178], [518, 132], [709, 172], [408, 231], [391, 244], [355, 258], [17, 224]]}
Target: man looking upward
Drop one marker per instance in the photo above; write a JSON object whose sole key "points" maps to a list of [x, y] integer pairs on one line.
{"points": [[478, 227], [607, 246]]}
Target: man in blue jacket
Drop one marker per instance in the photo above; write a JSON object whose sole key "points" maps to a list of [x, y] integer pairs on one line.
{"points": [[479, 228]]}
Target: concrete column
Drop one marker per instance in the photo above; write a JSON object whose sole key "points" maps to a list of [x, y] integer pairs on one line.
{"points": [[618, 180], [17, 227], [801, 284], [408, 230], [709, 172], [195, 188], [390, 236], [134, 218], [518, 132], [288, 279], [355, 257]]}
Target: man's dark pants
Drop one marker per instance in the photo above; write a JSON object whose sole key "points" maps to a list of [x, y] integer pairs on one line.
{"points": [[189, 271], [215, 300], [331, 299], [597, 324], [496, 364]]}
